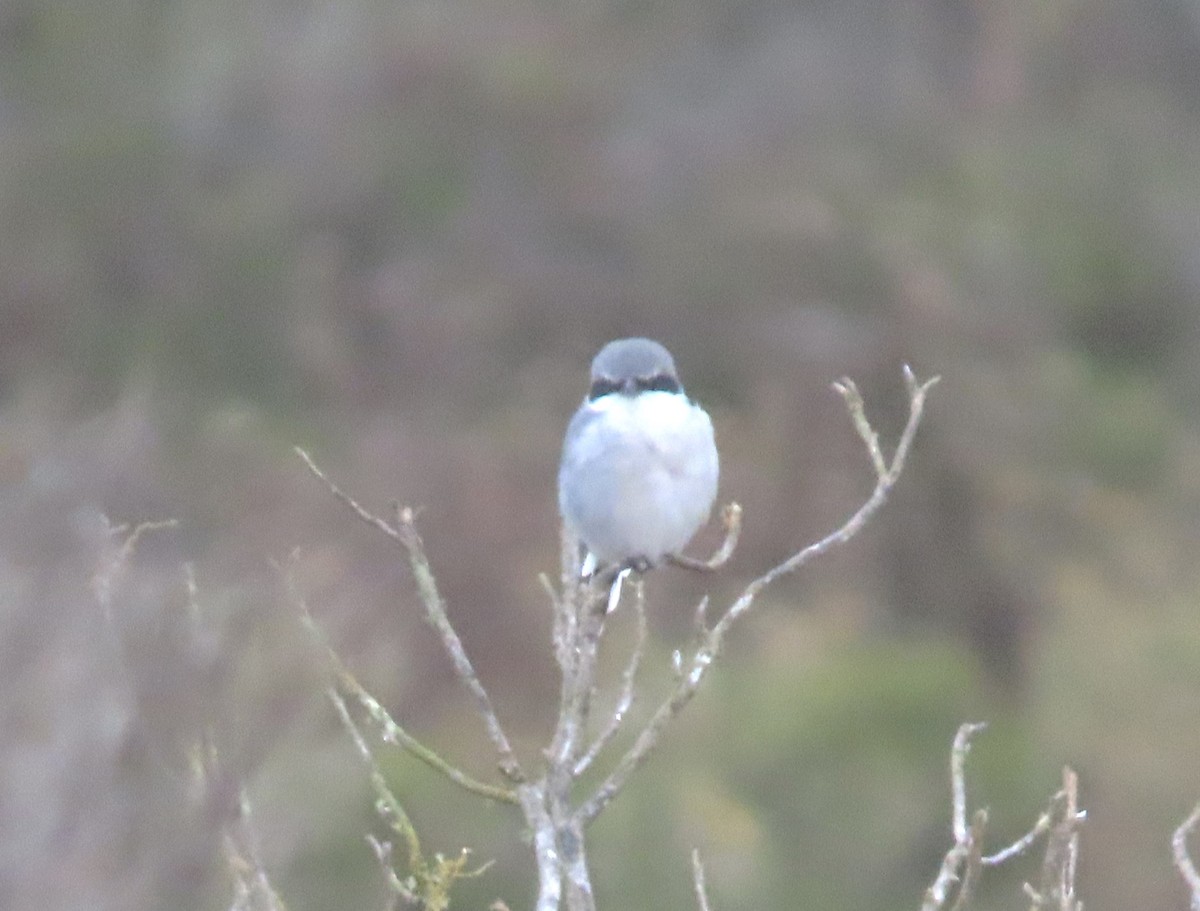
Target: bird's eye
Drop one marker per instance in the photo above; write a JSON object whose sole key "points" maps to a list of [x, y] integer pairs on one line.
{"points": [[661, 382], [603, 387]]}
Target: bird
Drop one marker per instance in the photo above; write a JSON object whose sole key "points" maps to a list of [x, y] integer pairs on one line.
{"points": [[639, 469]]}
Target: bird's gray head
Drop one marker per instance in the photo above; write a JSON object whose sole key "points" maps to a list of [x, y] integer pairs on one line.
{"points": [[631, 365]]}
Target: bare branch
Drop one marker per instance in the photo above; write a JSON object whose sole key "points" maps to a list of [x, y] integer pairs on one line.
{"points": [[847, 389], [404, 533], [628, 679], [698, 881], [967, 838], [435, 609], [958, 779], [397, 889], [700, 619], [108, 575], [964, 862], [385, 801], [370, 518], [573, 859], [578, 676], [1183, 860], [1057, 884], [389, 730], [694, 671], [886, 476], [1026, 841], [252, 889], [433, 880], [939, 891], [545, 845], [731, 519], [972, 865]]}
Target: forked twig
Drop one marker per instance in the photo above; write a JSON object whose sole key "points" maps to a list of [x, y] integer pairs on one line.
{"points": [[404, 533], [948, 873], [693, 672], [963, 864], [1057, 885], [557, 823], [389, 730]]}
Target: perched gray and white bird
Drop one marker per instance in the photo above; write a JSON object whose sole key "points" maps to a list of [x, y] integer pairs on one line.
{"points": [[639, 465]]}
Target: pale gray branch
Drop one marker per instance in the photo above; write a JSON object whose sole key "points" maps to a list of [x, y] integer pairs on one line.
{"points": [[252, 889], [404, 533], [396, 889], [1183, 860], [963, 864], [693, 673], [388, 807], [1025, 842], [389, 730], [557, 828], [950, 872], [545, 845], [628, 679], [1057, 885], [731, 519], [698, 881], [958, 778]]}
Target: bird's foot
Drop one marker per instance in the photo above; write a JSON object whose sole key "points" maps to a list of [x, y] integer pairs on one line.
{"points": [[638, 564]]}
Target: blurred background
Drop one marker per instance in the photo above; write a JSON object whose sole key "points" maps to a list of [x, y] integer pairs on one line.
{"points": [[396, 233]]}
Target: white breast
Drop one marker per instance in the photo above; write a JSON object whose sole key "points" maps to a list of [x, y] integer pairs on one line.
{"points": [[640, 475]]}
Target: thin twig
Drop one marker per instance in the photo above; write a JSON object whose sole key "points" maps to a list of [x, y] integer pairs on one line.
{"points": [[1074, 816], [964, 862], [392, 732], [434, 880], [846, 388], [1056, 888], [700, 619], [404, 533], [693, 673], [698, 881], [972, 861], [731, 519], [368, 517], [107, 576], [966, 839], [575, 696], [385, 801], [958, 777], [1183, 860], [389, 730], [628, 679], [397, 889], [1026, 841], [435, 609], [252, 889], [886, 476], [947, 875]]}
